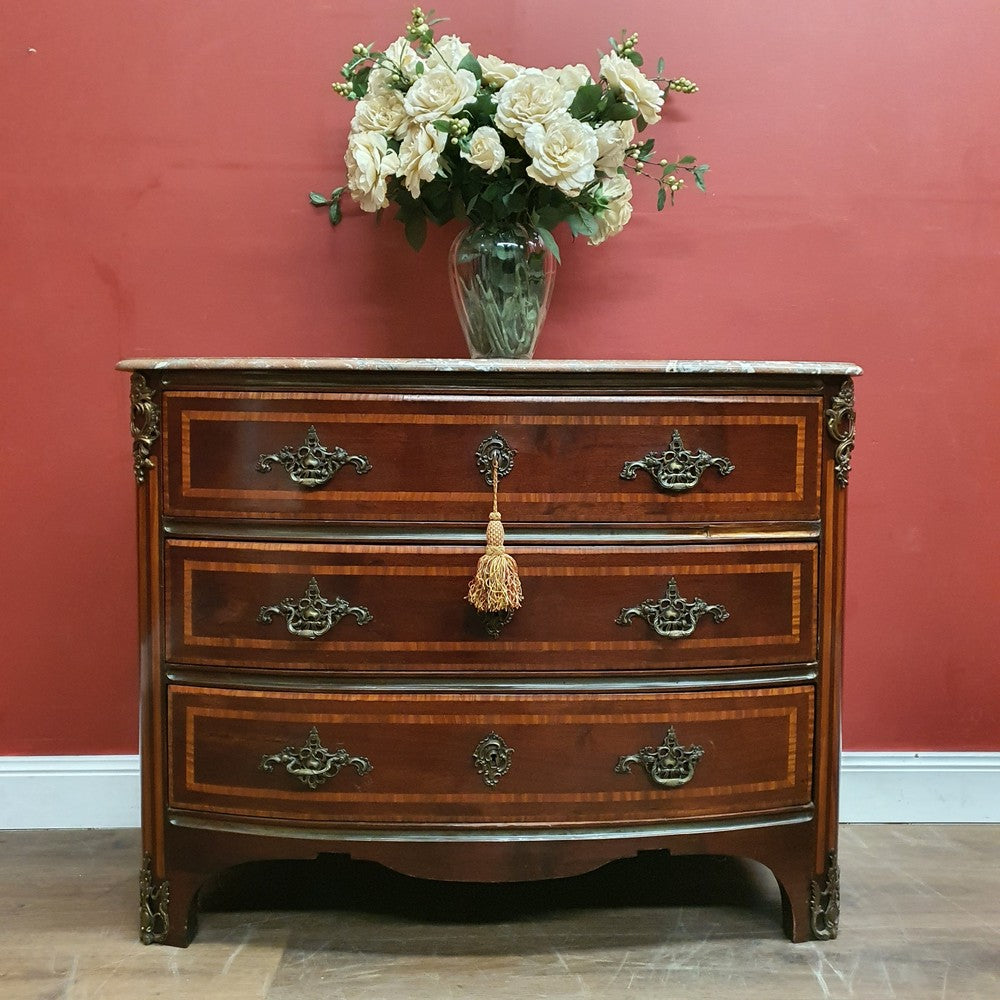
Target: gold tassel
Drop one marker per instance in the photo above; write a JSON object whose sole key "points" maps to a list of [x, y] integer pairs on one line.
{"points": [[496, 586]]}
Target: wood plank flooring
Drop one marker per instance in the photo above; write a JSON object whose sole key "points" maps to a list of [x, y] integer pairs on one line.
{"points": [[920, 919]]}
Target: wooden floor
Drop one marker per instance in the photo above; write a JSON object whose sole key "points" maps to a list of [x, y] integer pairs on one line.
{"points": [[920, 919]]}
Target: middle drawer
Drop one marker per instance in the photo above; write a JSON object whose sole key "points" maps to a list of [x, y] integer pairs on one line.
{"points": [[384, 608]]}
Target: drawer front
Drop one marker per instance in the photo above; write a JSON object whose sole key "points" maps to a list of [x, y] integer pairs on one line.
{"points": [[378, 609], [413, 458], [460, 758]]}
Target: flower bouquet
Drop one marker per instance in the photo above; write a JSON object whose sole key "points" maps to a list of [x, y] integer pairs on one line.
{"points": [[513, 151]]}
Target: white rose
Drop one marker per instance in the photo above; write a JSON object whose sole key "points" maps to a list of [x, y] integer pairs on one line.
{"points": [[628, 83], [485, 150], [380, 112], [439, 93], [399, 56], [448, 51], [562, 153], [370, 163], [497, 72], [531, 98], [612, 220], [572, 77], [420, 156], [613, 138]]}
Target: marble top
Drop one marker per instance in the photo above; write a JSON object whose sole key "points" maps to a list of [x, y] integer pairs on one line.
{"points": [[495, 365]]}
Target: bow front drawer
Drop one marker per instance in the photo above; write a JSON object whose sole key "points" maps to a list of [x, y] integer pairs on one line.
{"points": [[383, 608], [401, 758], [342, 457]]}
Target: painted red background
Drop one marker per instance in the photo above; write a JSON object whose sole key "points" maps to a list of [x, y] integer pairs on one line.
{"points": [[154, 162]]}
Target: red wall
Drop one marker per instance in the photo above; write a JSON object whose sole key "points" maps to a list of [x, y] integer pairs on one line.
{"points": [[155, 159]]}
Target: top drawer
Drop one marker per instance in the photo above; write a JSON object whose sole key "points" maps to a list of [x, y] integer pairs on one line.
{"points": [[369, 457]]}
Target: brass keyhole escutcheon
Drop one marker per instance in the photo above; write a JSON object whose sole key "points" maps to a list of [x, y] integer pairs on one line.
{"points": [[492, 758]]}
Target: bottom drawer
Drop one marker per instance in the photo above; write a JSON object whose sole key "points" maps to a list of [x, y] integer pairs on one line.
{"points": [[402, 758]]}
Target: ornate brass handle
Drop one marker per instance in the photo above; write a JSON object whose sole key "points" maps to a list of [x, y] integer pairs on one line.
{"points": [[313, 615], [676, 469], [311, 464], [669, 765], [313, 763], [671, 615], [492, 758]]}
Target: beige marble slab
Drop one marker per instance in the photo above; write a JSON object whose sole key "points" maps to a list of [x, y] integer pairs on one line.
{"points": [[495, 365]]}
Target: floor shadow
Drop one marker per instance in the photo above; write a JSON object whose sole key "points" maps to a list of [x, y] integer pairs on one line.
{"points": [[718, 895]]}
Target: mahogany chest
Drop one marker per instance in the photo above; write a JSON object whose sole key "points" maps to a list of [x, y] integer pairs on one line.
{"points": [[313, 679]]}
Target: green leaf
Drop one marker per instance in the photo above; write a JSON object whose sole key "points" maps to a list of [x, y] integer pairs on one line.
{"points": [[586, 101], [686, 160], [634, 58], [699, 176], [483, 107], [335, 213], [620, 111], [360, 83], [645, 150], [318, 199], [583, 223], [415, 227], [442, 125], [551, 215], [661, 199], [659, 66], [471, 63], [550, 243]]}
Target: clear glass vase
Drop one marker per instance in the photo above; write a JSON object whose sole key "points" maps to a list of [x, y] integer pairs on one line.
{"points": [[501, 282]]}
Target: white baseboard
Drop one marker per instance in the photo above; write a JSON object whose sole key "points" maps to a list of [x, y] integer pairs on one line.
{"points": [[920, 787], [68, 793], [60, 793]]}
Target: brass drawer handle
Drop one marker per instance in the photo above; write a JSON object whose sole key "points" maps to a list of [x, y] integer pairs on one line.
{"points": [[311, 464], [492, 758], [671, 615], [669, 765], [313, 763], [676, 469], [313, 615]]}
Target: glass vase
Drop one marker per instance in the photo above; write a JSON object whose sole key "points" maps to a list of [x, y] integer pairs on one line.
{"points": [[501, 282]]}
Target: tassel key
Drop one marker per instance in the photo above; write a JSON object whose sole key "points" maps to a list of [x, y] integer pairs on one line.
{"points": [[496, 588]]}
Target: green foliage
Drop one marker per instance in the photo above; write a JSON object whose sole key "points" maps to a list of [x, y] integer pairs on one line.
{"points": [[588, 101], [471, 63]]}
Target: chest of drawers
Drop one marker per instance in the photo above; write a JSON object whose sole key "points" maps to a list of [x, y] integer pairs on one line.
{"points": [[313, 679]]}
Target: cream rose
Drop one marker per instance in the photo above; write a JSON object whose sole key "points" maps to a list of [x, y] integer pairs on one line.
{"points": [[439, 93], [448, 51], [399, 56], [485, 150], [626, 81], [613, 138], [497, 72], [370, 163], [571, 77], [420, 156], [531, 98], [380, 112], [612, 220], [562, 153]]}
